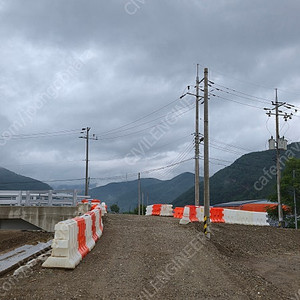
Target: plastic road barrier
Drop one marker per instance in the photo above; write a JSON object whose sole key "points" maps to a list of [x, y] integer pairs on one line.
{"points": [[74, 239]]}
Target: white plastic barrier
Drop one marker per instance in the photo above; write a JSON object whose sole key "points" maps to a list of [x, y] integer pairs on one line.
{"points": [[191, 213], [230, 216], [149, 210], [261, 219], [200, 213], [166, 210], [99, 224], [65, 252], [89, 232], [243, 217], [103, 208], [74, 239]]}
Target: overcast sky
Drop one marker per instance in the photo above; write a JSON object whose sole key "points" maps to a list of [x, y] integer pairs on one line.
{"points": [[120, 67]]}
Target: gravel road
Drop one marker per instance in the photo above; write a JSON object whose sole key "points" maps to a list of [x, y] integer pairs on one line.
{"points": [[142, 257]]}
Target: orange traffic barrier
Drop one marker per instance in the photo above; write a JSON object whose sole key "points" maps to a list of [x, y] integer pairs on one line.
{"points": [[84, 201], [156, 209], [193, 214], [82, 247], [216, 215], [95, 201], [261, 207], [178, 212]]}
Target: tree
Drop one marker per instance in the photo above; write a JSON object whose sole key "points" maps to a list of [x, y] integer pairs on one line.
{"points": [[287, 185], [115, 208], [142, 209]]}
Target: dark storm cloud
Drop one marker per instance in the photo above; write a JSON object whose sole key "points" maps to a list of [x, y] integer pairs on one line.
{"points": [[107, 63]]}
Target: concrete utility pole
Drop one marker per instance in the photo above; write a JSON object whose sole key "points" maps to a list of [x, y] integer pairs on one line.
{"points": [[197, 202], [197, 140], [280, 144], [86, 131], [206, 159], [295, 202], [280, 212], [139, 193]]}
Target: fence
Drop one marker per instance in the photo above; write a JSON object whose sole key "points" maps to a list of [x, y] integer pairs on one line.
{"points": [[40, 198]]}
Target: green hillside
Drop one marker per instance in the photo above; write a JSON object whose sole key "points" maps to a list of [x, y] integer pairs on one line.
{"points": [[12, 181], [238, 181]]}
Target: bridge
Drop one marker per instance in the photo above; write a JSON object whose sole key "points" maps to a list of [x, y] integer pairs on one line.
{"points": [[39, 210]]}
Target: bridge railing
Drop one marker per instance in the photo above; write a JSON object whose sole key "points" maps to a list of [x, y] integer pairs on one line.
{"points": [[40, 198]]}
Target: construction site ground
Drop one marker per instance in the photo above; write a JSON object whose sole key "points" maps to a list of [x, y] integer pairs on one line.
{"points": [[141, 257]]}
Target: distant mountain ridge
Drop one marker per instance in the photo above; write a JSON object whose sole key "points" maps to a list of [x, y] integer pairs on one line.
{"points": [[12, 181], [125, 194], [249, 177]]}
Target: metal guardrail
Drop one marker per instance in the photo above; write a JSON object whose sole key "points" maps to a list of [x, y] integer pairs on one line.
{"points": [[40, 198]]}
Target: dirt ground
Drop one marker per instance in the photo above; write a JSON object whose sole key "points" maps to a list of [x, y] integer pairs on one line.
{"points": [[142, 257], [11, 239]]}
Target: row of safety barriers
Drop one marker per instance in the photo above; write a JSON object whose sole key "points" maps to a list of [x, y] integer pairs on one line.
{"points": [[192, 213], [94, 203], [165, 210], [75, 238]]}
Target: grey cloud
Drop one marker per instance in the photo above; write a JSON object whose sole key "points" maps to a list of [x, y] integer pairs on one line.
{"points": [[137, 64]]}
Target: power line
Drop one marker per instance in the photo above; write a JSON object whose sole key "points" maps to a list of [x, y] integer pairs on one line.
{"points": [[42, 134], [243, 95], [144, 129], [141, 118], [190, 107], [235, 101]]}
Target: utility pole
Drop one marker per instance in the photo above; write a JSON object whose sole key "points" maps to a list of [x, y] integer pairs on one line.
{"points": [[86, 136], [206, 159], [280, 212], [197, 141], [142, 204], [295, 202], [280, 144], [139, 193]]}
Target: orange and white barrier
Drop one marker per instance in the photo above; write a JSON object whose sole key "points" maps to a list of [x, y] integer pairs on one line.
{"points": [[89, 231], [191, 213], [165, 210], [74, 238], [65, 249]]}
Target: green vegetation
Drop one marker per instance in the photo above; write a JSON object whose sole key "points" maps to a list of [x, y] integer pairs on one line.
{"points": [[287, 186], [115, 208], [142, 210]]}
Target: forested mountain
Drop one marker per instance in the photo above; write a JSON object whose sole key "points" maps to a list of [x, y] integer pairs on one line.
{"points": [[125, 194], [252, 176], [12, 181]]}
